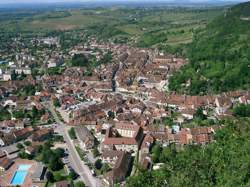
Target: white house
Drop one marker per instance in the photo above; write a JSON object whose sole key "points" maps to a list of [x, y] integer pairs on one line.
{"points": [[7, 76]]}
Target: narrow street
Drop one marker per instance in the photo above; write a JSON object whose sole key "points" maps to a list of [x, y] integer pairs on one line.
{"points": [[74, 158]]}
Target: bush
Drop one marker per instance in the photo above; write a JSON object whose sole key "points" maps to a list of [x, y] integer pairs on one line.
{"points": [[79, 184], [242, 110], [20, 146]]}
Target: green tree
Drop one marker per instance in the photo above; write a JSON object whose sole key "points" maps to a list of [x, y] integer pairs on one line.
{"points": [[199, 114], [73, 175], [55, 163], [4, 114], [59, 152], [27, 143], [50, 176], [242, 110], [98, 164], [79, 184], [111, 115], [79, 60], [156, 151], [20, 146], [56, 102]]}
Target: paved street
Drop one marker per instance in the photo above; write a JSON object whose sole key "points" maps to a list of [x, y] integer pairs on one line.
{"points": [[74, 158]]}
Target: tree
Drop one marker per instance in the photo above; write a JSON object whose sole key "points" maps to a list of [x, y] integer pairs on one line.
{"points": [[50, 176], [209, 165], [79, 184], [199, 114], [98, 164], [4, 114], [242, 110], [20, 146], [156, 151], [27, 143], [79, 60], [18, 114], [73, 175], [111, 115], [56, 102], [24, 155], [55, 163], [59, 152]]}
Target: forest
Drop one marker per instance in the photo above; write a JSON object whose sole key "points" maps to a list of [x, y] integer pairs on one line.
{"points": [[219, 56]]}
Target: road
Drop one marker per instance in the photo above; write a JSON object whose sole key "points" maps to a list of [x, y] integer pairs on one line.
{"points": [[74, 158]]}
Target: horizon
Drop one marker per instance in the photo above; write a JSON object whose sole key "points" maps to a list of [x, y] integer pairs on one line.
{"points": [[117, 1]]}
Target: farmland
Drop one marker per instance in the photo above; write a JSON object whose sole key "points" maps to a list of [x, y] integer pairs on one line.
{"points": [[137, 26]]}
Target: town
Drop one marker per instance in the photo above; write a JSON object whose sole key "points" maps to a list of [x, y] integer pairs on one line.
{"points": [[95, 112]]}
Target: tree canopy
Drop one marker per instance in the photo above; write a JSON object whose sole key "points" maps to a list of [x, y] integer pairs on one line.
{"points": [[219, 56], [225, 162], [79, 60]]}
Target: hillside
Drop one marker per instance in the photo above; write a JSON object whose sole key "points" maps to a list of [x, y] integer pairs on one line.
{"points": [[141, 27], [223, 163], [219, 56]]}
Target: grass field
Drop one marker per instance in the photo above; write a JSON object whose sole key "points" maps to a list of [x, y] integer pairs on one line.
{"points": [[142, 27]]}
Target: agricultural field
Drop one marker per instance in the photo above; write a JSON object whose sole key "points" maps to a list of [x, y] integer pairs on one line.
{"points": [[140, 27]]}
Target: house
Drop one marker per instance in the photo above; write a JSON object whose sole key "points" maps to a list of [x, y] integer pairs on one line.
{"points": [[21, 70], [147, 143], [7, 139], [8, 125], [2, 154], [202, 135], [124, 136], [30, 150], [5, 164], [39, 173], [245, 99], [41, 134], [111, 156], [11, 151], [188, 113], [222, 105], [22, 134], [55, 62], [7, 76], [87, 140], [120, 170], [144, 153]]}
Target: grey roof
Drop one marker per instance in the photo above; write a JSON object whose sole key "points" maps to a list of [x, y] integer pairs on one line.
{"points": [[82, 133], [10, 149], [39, 171]]}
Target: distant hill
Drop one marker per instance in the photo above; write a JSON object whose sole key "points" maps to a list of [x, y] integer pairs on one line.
{"points": [[219, 56]]}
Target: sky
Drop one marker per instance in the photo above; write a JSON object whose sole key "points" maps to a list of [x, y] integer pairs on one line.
{"points": [[68, 1]]}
